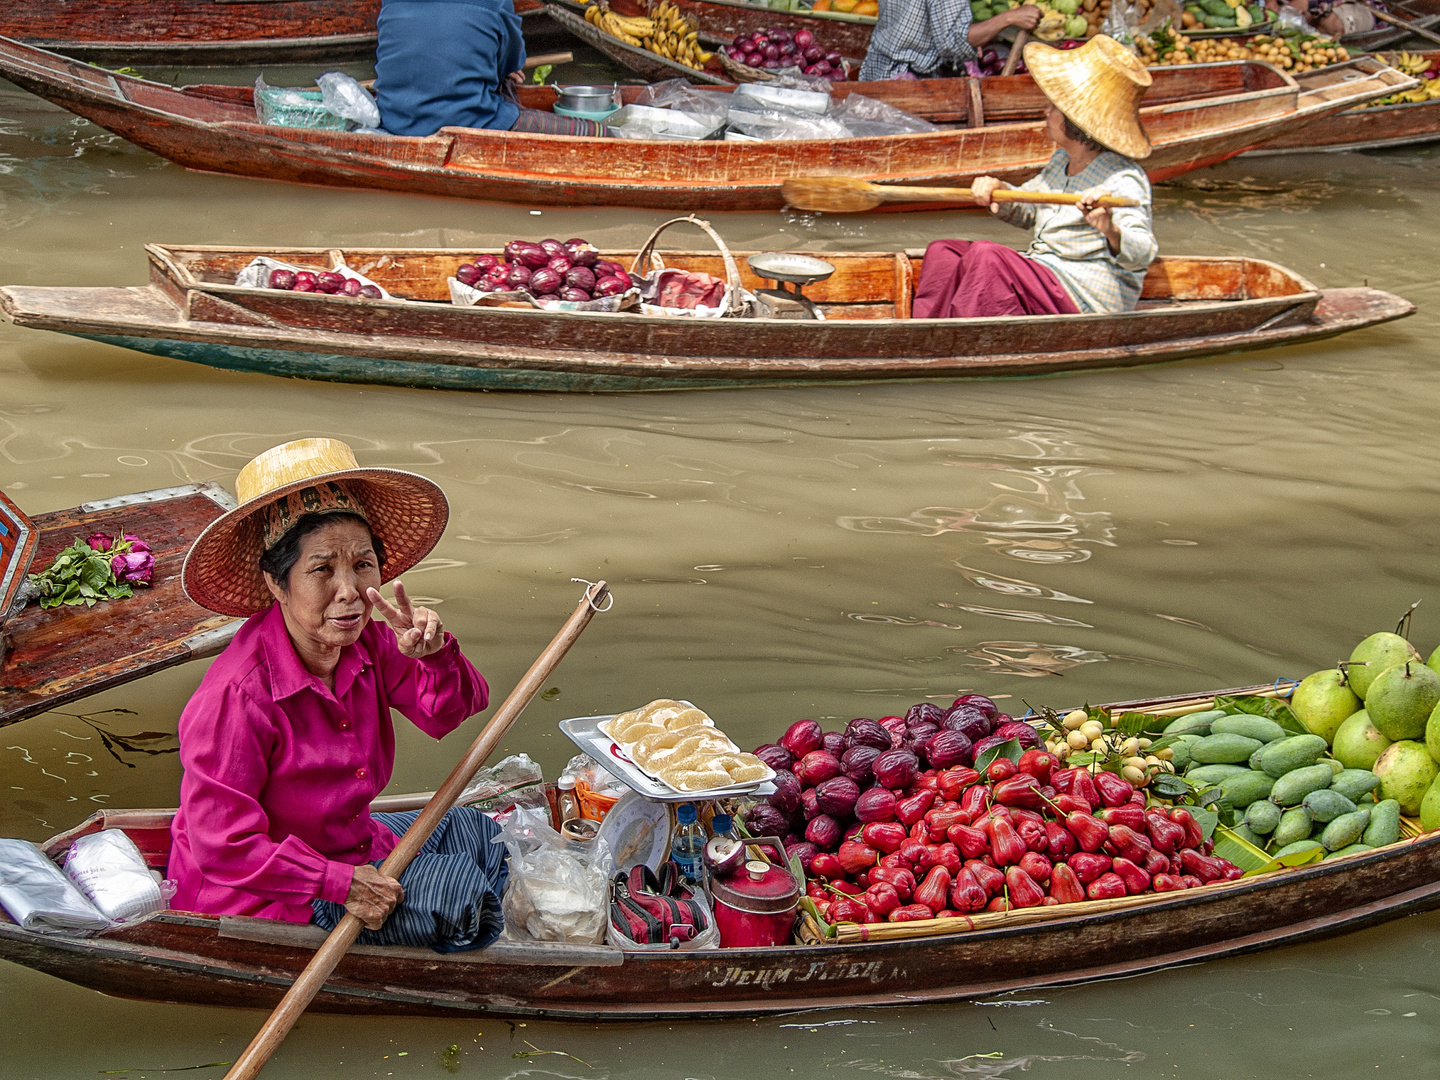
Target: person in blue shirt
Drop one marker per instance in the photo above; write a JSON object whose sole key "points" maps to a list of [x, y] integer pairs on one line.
{"points": [[456, 63]]}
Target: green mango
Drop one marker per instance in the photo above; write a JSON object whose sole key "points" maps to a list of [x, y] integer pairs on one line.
{"points": [[1298, 845], [1358, 743], [1244, 788], [1327, 805], [1212, 774], [1287, 755], [1262, 816], [1295, 824], [1197, 723], [1345, 830], [1292, 788], [1384, 827], [1353, 849], [1220, 749], [1355, 783], [1252, 727]]}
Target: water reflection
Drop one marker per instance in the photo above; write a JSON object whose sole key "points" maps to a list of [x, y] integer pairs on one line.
{"points": [[1026, 659]]}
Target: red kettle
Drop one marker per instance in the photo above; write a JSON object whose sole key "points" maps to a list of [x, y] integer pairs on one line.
{"points": [[755, 906]]}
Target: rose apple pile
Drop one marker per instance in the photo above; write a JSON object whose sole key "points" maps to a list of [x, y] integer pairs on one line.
{"points": [[321, 281], [891, 821], [570, 271]]}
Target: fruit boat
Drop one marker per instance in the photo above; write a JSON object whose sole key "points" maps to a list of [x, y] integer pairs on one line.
{"points": [[191, 311], [234, 960], [49, 658], [1372, 127], [214, 129]]}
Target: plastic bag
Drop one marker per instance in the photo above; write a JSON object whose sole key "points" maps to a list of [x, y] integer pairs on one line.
{"points": [[39, 897], [772, 124], [867, 116], [555, 892], [109, 869], [283, 106], [515, 781], [706, 107], [596, 777], [1291, 21], [345, 97], [256, 275]]}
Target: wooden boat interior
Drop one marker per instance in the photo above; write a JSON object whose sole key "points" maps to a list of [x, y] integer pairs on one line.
{"points": [[67, 653], [865, 285], [18, 539]]}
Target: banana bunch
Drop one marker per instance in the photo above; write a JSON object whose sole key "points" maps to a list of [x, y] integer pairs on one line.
{"points": [[1411, 64], [665, 33]]}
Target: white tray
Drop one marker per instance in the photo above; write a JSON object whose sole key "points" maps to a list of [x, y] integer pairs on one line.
{"points": [[584, 732]]}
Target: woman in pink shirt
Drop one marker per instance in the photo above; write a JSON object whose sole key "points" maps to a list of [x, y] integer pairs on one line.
{"points": [[289, 736]]}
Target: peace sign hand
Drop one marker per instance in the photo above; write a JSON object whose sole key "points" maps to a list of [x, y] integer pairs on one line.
{"points": [[417, 630]]}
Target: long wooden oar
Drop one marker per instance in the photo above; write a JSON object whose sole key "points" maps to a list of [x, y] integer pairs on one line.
{"points": [[847, 195], [1418, 31], [1017, 50], [312, 979]]}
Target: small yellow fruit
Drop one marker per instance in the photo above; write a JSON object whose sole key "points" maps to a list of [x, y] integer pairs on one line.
{"points": [[1074, 719], [1134, 775], [1076, 740], [1098, 745], [1092, 729]]}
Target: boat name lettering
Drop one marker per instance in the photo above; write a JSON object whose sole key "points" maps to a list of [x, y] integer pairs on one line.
{"points": [[817, 971]]}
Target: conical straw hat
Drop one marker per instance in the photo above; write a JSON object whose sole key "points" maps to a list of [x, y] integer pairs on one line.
{"points": [[1099, 87], [406, 512]]}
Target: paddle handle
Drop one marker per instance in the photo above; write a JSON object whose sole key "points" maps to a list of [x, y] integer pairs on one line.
{"points": [[248, 1065], [1418, 31], [1016, 51], [554, 59], [965, 194]]}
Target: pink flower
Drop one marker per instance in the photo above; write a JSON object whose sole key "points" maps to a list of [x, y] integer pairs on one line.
{"points": [[98, 541], [134, 567], [136, 544]]}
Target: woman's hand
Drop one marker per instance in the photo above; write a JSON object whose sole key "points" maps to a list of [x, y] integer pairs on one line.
{"points": [[517, 77], [373, 896], [417, 630], [983, 187], [1100, 217]]}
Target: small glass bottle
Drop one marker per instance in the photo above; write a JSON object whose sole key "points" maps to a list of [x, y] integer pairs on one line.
{"points": [[687, 847], [565, 795]]}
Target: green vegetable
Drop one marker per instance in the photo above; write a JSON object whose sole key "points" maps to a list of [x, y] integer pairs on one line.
{"points": [[1353, 849], [1287, 755], [1384, 827], [1197, 723], [1296, 784], [1294, 825], [1252, 727], [1220, 749], [1327, 805], [1212, 774], [1345, 830]]}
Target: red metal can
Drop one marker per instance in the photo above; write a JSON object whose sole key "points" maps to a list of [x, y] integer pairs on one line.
{"points": [[756, 907]]}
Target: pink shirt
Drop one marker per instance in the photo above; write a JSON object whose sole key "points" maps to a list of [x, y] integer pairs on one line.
{"points": [[279, 771]]}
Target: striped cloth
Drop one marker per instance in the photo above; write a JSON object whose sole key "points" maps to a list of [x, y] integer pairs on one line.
{"points": [[1098, 280], [918, 36], [452, 887]]}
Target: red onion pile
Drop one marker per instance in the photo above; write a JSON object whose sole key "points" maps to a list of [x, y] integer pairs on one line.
{"points": [[569, 271], [322, 281], [777, 47], [891, 822]]}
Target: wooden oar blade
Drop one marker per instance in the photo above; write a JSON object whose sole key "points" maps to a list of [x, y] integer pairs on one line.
{"points": [[830, 194]]}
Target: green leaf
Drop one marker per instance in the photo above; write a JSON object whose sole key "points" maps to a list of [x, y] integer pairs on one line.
{"points": [[1136, 723], [1208, 819], [807, 905], [1169, 786], [1286, 862], [1010, 748], [1274, 708], [1234, 847]]}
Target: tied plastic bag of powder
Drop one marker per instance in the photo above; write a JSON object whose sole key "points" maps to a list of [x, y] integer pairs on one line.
{"points": [[555, 892], [707, 107], [515, 781], [866, 116], [39, 897], [109, 869], [345, 97]]}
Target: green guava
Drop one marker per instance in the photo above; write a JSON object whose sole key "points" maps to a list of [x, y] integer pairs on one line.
{"points": [[1358, 743], [1323, 701], [1406, 771], [1373, 655], [1401, 699]]}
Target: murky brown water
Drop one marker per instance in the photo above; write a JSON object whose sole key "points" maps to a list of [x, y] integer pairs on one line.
{"points": [[825, 551]]}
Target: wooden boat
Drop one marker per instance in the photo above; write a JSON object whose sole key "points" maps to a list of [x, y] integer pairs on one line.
{"points": [[642, 62], [1423, 13], [232, 960], [190, 311], [197, 31], [53, 657], [1372, 127], [214, 129]]}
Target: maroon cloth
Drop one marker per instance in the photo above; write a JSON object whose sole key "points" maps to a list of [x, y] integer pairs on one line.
{"points": [[969, 279], [537, 122]]}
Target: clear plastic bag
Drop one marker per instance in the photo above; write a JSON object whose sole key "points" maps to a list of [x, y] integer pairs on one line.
{"points": [[867, 116], [35, 893], [771, 124], [256, 275], [555, 892], [109, 869], [596, 777], [512, 782], [284, 106], [706, 107], [346, 98]]}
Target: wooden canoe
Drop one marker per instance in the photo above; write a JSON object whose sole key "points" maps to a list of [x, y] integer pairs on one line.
{"points": [[1423, 13], [1374, 127], [1190, 307], [214, 129], [58, 656], [230, 960]]}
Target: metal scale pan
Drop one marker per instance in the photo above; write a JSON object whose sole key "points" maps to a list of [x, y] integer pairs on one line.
{"points": [[798, 270]]}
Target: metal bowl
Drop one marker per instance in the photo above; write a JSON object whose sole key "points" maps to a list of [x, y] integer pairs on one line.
{"points": [[590, 99], [785, 266]]}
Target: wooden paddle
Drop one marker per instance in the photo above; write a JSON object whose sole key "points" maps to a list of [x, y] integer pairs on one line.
{"points": [[1418, 31], [1016, 51], [847, 195], [312, 979]]}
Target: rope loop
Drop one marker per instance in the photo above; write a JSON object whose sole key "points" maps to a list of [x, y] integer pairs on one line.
{"points": [[590, 587]]}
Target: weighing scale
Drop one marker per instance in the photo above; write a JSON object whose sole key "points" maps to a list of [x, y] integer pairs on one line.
{"points": [[798, 270]]}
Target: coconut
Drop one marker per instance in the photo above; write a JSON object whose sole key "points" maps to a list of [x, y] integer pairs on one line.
{"points": [[1406, 771], [1373, 655], [1358, 743], [1323, 701], [1401, 698]]}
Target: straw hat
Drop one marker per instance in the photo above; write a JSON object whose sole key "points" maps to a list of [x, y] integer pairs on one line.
{"points": [[1099, 87], [405, 511]]}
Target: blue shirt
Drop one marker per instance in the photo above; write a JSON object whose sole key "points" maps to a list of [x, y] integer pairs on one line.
{"points": [[441, 63]]}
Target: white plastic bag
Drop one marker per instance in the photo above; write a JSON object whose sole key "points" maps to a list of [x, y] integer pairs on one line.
{"points": [[256, 275], [555, 893], [345, 97], [109, 869], [38, 896], [515, 781]]}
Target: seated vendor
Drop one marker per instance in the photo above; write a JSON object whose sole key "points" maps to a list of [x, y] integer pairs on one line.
{"points": [[1083, 258], [1334, 20], [457, 63], [929, 39], [289, 736]]}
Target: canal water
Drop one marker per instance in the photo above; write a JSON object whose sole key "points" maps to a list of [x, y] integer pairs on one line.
{"points": [[829, 552]]}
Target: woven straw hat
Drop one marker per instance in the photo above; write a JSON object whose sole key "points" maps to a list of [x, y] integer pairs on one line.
{"points": [[405, 511], [1099, 87]]}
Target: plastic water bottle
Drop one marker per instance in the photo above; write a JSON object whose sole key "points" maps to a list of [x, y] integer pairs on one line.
{"points": [[722, 825], [687, 847]]}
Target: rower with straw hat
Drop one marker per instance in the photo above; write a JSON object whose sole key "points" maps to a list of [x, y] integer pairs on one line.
{"points": [[289, 736], [1083, 258]]}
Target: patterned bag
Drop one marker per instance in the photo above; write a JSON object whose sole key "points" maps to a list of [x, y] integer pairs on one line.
{"points": [[651, 911]]}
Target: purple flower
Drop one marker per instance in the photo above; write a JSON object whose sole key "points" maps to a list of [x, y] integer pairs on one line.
{"points": [[136, 544], [134, 567], [98, 541]]}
